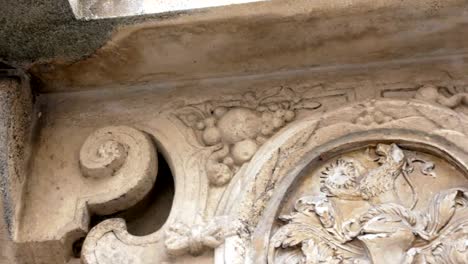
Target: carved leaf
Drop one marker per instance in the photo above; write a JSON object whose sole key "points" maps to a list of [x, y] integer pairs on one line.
{"points": [[440, 211], [268, 93], [290, 257], [307, 104], [190, 115], [301, 218], [318, 206], [390, 209], [294, 234], [319, 252]]}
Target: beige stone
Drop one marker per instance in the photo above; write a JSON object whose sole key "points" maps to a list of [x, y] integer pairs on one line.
{"points": [[294, 132]]}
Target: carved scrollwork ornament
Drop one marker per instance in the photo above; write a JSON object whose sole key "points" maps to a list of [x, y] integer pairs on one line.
{"points": [[126, 158], [374, 170], [102, 159], [106, 150], [432, 93]]}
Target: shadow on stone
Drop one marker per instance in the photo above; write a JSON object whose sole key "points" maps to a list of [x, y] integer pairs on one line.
{"points": [[151, 213]]}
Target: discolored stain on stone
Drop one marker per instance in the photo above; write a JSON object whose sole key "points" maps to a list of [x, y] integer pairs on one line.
{"points": [[243, 43]]}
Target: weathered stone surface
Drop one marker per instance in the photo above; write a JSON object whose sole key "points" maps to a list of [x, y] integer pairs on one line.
{"points": [[15, 137], [159, 115], [389, 202], [221, 42], [293, 132]]}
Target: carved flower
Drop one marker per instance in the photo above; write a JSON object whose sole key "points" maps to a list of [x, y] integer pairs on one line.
{"points": [[372, 116], [340, 176]]}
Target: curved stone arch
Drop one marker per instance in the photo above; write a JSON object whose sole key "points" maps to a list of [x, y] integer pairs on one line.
{"points": [[189, 181], [276, 166]]}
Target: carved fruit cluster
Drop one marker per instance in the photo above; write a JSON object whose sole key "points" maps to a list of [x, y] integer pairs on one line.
{"points": [[243, 128], [239, 132], [236, 128]]}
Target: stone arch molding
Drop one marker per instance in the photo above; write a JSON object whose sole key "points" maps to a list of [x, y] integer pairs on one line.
{"points": [[253, 196], [275, 171]]}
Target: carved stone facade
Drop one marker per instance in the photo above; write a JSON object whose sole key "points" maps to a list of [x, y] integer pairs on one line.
{"points": [[279, 175], [350, 161]]}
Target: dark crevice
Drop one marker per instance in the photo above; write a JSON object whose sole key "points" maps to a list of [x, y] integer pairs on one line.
{"points": [[76, 247], [151, 213]]}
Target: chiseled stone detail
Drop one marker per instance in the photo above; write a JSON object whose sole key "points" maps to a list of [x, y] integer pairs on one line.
{"points": [[213, 141], [119, 152], [324, 227], [318, 233], [182, 239], [105, 151], [346, 179], [390, 233], [381, 179], [237, 127], [432, 93]]}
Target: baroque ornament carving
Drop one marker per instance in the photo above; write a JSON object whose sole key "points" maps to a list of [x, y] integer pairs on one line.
{"points": [[431, 93], [126, 158], [236, 128], [390, 233], [346, 179], [269, 178], [387, 231], [182, 239]]}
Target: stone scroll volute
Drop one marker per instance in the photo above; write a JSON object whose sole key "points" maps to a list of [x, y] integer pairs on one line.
{"points": [[125, 158]]}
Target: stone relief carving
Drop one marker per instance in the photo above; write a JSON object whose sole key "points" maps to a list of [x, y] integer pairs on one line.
{"points": [[388, 231], [276, 169], [101, 155], [432, 93], [347, 179], [237, 127], [117, 153], [182, 239], [372, 115]]}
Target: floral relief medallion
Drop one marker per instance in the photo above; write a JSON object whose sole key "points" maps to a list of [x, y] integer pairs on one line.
{"points": [[381, 204]]}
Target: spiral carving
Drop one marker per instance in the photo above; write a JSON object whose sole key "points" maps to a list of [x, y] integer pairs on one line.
{"points": [[126, 158], [108, 149]]}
